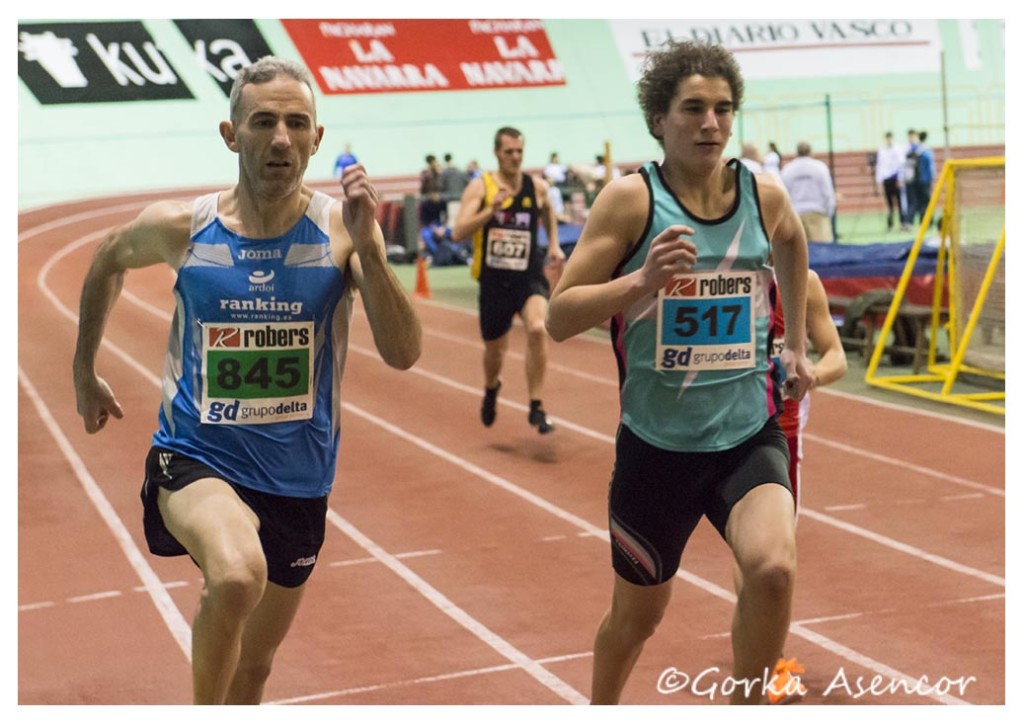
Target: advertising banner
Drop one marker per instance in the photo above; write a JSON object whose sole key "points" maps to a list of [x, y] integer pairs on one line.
{"points": [[224, 47], [95, 62], [778, 49], [387, 56]]}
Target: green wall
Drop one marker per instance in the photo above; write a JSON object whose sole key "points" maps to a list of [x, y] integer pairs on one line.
{"points": [[79, 151]]}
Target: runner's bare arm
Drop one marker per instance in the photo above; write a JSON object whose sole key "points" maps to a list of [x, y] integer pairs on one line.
{"points": [[555, 253], [393, 321], [789, 251], [824, 336], [159, 234], [472, 214], [586, 295]]}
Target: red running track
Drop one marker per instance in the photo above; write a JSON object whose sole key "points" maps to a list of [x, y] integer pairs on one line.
{"points": [[466, 565]]}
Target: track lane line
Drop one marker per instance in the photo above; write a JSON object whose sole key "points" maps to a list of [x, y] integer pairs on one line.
{"points": [[434, 596], [818, 516], [519, 659], [824, 390], [175, 622], [712, 588], [796, 629]]}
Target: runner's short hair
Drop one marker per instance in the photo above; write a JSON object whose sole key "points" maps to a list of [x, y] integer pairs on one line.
{"points": [[265, 70]]}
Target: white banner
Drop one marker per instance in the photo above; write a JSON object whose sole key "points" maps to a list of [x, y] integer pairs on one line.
{"points": [[777, 49]]}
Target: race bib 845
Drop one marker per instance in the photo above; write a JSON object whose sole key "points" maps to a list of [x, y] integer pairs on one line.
{"points": [[257, 373]]}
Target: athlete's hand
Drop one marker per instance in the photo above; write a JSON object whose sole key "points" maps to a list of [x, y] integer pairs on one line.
{"points": [[670, 253], [799, 374], [96, 403], [359, 211], [500, 197]]}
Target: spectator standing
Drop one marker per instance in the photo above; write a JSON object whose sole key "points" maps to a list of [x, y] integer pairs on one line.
{"points": [[924, 177], [889, 177], [556, 173], [810, 188], [750, 157], [909, 173], [453, 180], [345, 159], [432, 205], [453, 183], [773, 161]]}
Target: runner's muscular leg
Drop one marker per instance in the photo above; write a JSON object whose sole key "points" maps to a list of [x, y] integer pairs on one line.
{"points": [[221, 533], [760, 531], [494, 356], [633, 617], [264, 632], [533, 314]]}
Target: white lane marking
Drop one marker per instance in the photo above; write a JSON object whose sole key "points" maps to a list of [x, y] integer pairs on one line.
{"points": [[716, 590], [457, 614], [832, 392], [78, 218], [102, 595], [172, 617], [904, 465], [824, 390], [475, 470], [904, 547], [340, 693]]}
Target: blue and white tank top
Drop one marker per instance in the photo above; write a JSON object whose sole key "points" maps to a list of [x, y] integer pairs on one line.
{"points": [[693, 359], [256, 354]]}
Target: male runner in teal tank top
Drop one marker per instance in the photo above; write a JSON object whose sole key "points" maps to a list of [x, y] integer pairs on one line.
{"points": [[244, 455], [677, 257]]}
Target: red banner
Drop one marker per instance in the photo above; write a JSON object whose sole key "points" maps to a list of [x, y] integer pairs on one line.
{"points": [[390, 56]]}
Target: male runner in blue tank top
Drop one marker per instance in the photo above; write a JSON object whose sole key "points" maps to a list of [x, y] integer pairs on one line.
{"points": [[244, 455], [502, 211], [677, 256]]}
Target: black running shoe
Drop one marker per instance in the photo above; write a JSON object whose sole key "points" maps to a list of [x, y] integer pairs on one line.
{"points": [[489, 408], [539, 419]]}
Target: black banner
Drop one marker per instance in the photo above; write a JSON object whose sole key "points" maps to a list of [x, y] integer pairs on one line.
{"points": [[224, 47], [95, 62]]}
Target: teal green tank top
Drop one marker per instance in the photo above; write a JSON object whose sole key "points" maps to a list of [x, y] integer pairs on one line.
{"points": [[693, 359]]}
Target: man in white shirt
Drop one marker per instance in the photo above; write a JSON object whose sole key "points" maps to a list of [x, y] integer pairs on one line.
{"points": [[811, 192], [888, 174], [751, 158], [556, 171]]}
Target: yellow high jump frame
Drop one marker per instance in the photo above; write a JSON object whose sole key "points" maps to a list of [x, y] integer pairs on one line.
{"points": [[948, 373]]}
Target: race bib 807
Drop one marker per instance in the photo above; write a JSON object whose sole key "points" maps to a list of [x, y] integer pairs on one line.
{"points": [[257, 373]]}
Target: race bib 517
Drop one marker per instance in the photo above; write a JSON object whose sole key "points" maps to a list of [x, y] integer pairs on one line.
{"points": [[706, 322]]}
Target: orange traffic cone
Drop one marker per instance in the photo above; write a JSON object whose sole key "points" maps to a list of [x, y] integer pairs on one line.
{"points": [[422, 285]]}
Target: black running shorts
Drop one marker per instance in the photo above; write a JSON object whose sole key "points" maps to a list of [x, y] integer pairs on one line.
{"points": [[501, 301], [291, 529]]}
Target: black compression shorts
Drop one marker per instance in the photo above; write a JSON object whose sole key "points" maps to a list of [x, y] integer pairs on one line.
{"points": [[657, 497]]}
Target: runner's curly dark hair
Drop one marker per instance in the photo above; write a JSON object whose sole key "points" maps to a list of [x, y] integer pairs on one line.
{"points": [[677, 60]]}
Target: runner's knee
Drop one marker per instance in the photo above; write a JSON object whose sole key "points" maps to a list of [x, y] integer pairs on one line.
{"points": [[637, 623], [772, 575], [238, 585]]}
